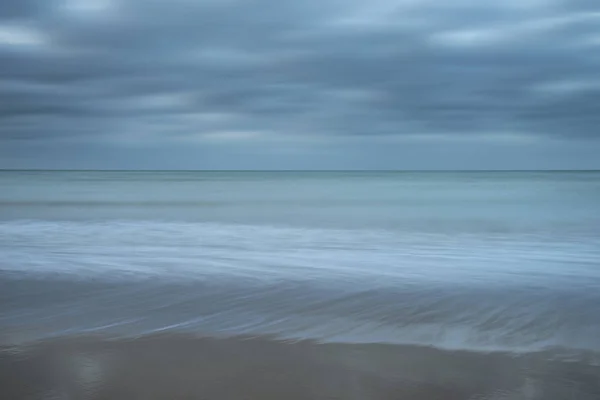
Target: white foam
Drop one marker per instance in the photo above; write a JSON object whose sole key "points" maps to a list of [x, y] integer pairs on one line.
{"points": [[197, 250]]}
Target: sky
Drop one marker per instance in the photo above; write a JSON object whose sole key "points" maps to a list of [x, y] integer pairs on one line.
{"points": [[311, 84]]}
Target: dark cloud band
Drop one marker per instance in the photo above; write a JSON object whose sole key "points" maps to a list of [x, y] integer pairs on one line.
{"points": [[328, 68]]}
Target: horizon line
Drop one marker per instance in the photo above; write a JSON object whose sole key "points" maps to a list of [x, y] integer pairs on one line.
{"points": [[287, 170]]}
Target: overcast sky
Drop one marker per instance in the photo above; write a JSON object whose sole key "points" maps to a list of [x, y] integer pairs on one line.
{"points": [[305, 84]]}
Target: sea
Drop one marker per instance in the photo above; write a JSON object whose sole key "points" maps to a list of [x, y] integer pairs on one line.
{"points": [[300, 285]]}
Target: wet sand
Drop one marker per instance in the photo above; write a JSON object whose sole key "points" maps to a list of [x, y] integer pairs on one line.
{"points": [[184, 367]]}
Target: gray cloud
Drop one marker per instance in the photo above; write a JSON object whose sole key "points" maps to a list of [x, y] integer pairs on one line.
{"points": [[147, 70], [10, 9]]}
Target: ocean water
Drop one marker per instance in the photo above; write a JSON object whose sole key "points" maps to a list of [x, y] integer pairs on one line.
{"points": [[358, 285]]}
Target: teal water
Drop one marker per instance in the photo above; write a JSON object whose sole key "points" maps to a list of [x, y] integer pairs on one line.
{"points": [[300, 285], [475, 260], [451, 202]]}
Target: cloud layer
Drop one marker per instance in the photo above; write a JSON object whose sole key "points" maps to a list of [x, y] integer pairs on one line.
{"points": [[232, 72]]}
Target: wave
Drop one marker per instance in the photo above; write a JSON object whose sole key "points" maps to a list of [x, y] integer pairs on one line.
{"points": [[491, 292], [37, 306]]}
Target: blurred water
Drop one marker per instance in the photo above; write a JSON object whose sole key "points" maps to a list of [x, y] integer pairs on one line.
{"points": [[492, 260], [479, 285], [449, 202]]}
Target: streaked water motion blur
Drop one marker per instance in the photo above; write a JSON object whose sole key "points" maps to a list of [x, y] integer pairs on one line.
{"points": [[354, 285]]}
